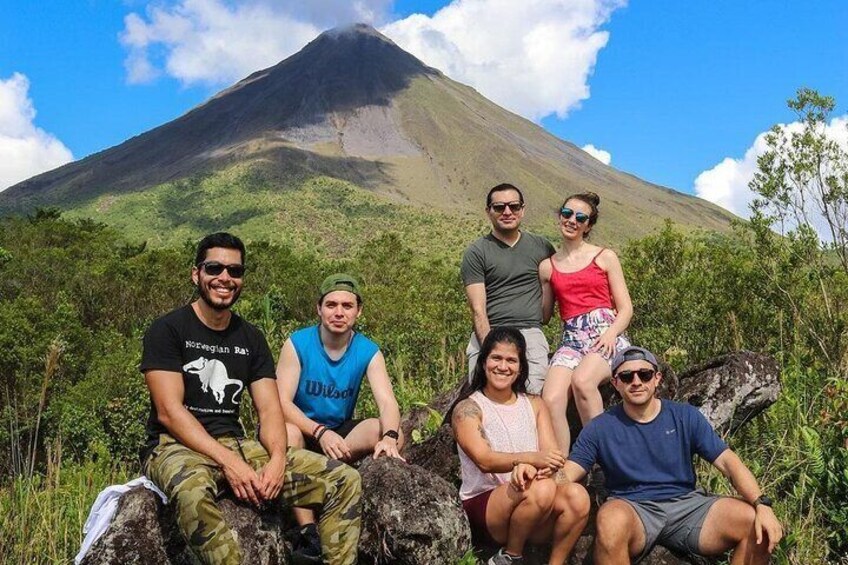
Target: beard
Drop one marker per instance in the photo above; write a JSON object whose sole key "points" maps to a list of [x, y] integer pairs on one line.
{"points": [[205, 295]]}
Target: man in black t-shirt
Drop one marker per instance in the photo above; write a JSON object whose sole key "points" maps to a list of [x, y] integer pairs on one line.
{"points": [[197, 361]]}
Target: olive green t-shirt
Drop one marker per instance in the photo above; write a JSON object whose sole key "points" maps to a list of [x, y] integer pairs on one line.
{"points": [[511, 276]]}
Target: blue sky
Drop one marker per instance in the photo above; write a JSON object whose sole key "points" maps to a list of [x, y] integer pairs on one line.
{"points": [[670, 90]]}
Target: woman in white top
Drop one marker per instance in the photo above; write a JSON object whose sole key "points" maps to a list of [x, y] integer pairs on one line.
{"points": [[509, 457]]}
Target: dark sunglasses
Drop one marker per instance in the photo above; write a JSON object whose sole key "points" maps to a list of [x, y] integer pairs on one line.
{"points": [[580, 217], [500, 207], [645, 375], [213, 269]]}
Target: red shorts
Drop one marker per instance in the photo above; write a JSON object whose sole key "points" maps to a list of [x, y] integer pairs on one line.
{"points": [[475, 509]]}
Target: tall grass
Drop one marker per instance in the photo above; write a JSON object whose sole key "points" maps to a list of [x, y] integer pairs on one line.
{"points": [[41, 517], [784, 448]]}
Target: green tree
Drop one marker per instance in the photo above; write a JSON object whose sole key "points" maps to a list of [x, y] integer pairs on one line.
{"points": [[802, 180], [802, 189]]}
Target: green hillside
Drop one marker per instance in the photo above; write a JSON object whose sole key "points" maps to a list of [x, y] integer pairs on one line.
{"points": [[320, 214]]}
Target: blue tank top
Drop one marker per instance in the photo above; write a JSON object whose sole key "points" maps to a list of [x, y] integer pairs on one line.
{"points": [[327, 390]]}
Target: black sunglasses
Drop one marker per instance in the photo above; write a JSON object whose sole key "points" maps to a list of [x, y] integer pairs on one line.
{"points": [[500, 207], [645, 375], [580, 217], [213, 269]]}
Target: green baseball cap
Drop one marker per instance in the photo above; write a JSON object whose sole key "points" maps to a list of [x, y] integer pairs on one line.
{"points": [[339, 281]]}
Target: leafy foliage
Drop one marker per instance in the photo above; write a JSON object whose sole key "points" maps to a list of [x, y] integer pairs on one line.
{"points": [[77, 296]]}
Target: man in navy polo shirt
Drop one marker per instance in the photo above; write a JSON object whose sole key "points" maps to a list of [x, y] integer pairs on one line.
{"points": [[319, 375], [645, 447]]}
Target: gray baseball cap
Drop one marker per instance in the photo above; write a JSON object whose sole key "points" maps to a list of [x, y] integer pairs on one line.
{"points": [[633, 353]]}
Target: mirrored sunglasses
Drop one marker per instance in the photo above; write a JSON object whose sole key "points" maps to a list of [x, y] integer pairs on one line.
{"points": [[579, 217]]}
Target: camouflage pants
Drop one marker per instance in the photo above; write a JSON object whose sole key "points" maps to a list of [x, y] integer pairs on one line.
{"points": [[193, 481]]}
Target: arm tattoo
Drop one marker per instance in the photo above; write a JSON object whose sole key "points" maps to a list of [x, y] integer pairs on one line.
{"points": [[483, 434], [466, 409]]}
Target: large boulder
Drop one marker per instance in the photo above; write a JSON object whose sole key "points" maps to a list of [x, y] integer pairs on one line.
{"points": [[410, 516], [144, 532], [732, 389]]}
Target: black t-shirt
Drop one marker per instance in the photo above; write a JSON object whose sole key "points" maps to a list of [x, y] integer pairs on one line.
{"points": [[216, 367]]}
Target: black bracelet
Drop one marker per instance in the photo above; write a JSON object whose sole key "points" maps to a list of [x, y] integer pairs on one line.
{"points": [[392, 434], [323, 430]]}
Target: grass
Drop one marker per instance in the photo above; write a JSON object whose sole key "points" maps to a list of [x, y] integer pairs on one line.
{"points": [[785, 452], [41, 518]]}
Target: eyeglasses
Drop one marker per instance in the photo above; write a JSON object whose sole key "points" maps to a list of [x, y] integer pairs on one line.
{"points": [[213, 269], [500, 207], [566, 213], [645, 375]]}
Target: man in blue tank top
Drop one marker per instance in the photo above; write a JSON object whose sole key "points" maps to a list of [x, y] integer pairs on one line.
{"points": [[319, 375], [645, 447]]}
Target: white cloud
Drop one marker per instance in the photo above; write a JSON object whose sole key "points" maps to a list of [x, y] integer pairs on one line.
{"points": [[599, 154], [25, 150], [726, 184], [533, 57]]}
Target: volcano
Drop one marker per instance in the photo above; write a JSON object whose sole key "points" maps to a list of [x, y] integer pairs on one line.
{"points": [[352, 108]]}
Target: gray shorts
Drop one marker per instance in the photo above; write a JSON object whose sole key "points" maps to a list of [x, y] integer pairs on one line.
{"points": [[537, 356], [674, 523]]}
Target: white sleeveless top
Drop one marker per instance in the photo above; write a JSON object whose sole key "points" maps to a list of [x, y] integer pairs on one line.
{"points": [[509, 429]]}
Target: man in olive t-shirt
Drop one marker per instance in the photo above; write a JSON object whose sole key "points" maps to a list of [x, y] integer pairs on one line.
{"points": [[500, 272]]}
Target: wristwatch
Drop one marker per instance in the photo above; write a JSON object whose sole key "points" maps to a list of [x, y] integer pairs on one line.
{"points": [[392, 434], [762, 499]]}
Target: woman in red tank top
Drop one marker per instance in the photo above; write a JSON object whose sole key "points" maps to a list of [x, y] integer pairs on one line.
{"points": [[588, 284]]}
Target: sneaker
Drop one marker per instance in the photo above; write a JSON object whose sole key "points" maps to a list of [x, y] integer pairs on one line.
{"points": [[504, 558], [306, 546]]}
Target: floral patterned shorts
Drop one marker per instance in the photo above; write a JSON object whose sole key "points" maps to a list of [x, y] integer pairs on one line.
{"points": [[578, 335]]}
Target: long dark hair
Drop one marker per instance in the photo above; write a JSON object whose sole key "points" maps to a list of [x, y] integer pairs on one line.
{"points": [[500, 334]]}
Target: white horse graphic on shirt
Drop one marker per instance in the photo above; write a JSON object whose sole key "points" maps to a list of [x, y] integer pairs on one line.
{"points": [[213, 374]]}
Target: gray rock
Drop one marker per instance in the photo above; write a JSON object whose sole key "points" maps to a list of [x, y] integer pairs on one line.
{"points": [[410, 516], [732, 389], [144, 532], [437, 454], [136, 535]]}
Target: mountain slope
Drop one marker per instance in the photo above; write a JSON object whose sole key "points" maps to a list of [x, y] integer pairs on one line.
{"points": [[350, 108]]}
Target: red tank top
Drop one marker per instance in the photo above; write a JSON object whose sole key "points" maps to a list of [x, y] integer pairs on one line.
{"points": [[581, 291]]}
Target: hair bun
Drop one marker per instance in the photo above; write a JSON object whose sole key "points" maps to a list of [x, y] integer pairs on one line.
{"points": [[592, 197]]}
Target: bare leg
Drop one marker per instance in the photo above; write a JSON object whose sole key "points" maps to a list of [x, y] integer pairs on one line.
{"points": [[555, 394], [620, 534], [730, 524], [535, 509], [588, 376], [302, 516], [362, 439], [512, 515], [570, 514]]}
